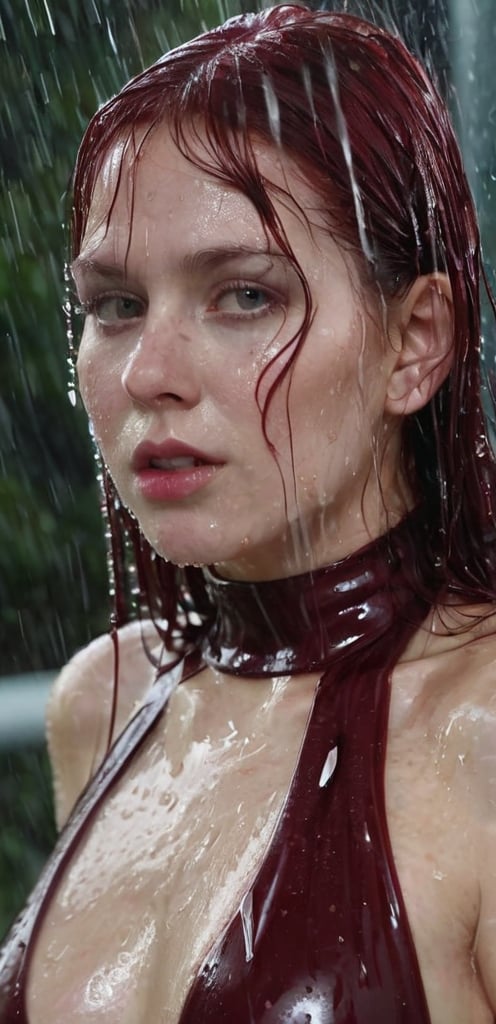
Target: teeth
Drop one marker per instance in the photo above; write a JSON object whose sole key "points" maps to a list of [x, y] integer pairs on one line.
{"points": [[180, 462]]}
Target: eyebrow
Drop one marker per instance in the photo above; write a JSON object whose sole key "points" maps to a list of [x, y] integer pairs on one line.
{"points": [[190, 262], [87, 264], [221, 254]]}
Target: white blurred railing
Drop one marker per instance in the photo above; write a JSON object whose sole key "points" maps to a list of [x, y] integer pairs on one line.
{"points": [[22, 708]]}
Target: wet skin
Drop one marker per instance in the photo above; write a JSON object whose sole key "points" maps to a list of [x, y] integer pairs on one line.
{"points": [[181, 324], [185, 311], [194, 813]]}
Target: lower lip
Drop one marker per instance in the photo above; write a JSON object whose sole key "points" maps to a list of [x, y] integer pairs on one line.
{"points": [[174, 484]]}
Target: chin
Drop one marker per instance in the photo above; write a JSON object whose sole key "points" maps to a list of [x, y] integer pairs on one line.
{"points": [[180, 555], [189, 550], [232, 544]]}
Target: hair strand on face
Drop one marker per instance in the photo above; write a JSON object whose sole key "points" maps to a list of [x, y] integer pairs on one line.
{"points": [[373, 139]]}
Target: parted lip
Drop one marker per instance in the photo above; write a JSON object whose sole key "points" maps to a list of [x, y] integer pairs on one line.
{"points": [[148, 452]]}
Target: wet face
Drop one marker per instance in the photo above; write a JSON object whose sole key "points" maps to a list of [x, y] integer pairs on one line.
{"points": [[187, 302]]}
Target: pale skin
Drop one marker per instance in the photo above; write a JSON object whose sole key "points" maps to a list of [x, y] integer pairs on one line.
{"points": [[178, 841]]}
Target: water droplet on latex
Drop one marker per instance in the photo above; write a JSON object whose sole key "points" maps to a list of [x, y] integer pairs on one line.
{"points": [[246, 914], [329, 767]]}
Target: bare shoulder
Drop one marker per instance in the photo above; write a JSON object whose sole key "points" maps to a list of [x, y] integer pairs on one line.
{"points": [[458, 696], [449, 668], [474, 744], [80, 706], [445, 718], [444, 692]]}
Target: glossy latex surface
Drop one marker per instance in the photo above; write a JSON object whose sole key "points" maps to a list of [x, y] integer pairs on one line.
{"points": [[322, 934]]}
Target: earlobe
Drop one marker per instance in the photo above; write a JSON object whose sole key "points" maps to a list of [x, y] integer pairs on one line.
{"points": [[422, 322]]}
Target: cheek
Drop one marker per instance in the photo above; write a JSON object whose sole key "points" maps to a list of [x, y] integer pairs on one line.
{"points": [[86, 368], [324, 391], [86, 378], [336, 409], [97, 389]]}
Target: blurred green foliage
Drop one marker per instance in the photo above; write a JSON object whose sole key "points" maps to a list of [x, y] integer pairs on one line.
{"points": [[58, 63], [27, 826]]}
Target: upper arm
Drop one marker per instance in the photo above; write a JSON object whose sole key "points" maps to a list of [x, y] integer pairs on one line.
{"points": [[80, 707]]}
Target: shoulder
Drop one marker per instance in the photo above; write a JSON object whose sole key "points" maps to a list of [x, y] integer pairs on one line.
{"points": [[447, 698], [446, 684], [80, 706], [477, 717]]}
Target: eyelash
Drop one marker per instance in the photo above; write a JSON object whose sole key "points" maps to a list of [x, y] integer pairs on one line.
{"points": [[272, 302], [89, 307]]}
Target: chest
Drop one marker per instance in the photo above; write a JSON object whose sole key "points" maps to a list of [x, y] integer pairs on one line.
{"points": [[171, 855], [175, 845]]}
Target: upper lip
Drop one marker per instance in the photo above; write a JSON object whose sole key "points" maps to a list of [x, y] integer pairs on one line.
{"points": [[149, 451]]}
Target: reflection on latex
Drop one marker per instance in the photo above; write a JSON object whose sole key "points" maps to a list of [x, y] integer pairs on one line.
{"points": [[315, 1003], [246, 912]]}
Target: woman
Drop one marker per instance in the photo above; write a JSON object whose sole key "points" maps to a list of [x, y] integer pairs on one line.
{"points": [[277, 257]]}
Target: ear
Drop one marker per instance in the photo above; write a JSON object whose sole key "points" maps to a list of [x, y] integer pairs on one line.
{"points": [[421, 333]]}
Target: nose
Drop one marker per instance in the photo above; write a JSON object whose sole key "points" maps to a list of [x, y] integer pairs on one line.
{"points": [[160, 368]]}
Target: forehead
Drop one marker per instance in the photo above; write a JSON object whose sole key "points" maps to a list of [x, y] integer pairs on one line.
{"points": [[146, 182]]}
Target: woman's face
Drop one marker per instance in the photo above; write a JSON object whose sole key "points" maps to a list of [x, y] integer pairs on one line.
{"points": [[188, 299]]}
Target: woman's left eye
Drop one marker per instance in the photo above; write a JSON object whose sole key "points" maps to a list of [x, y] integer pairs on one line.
{"points": [[243, 299]]}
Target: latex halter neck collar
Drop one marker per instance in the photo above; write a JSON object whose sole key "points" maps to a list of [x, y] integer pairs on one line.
{"points": [[307, 622]]}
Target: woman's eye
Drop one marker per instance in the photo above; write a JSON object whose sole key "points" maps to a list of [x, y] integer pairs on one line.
{"points": [[111, 309], [245, 299]]}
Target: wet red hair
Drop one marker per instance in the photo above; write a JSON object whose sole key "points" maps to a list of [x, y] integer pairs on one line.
{"points": [[348, 102]]}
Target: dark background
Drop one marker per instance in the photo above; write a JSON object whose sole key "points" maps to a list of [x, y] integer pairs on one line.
{"points": [[58, 62]]}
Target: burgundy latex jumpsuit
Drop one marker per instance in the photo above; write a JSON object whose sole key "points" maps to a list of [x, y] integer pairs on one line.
{"points": [[322, 935]]}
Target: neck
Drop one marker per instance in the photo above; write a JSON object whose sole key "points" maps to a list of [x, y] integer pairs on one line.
{"points": [[332, 534], [305, 622]]}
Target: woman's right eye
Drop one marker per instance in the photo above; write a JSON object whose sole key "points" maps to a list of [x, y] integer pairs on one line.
{"points": [[110, 310]]}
